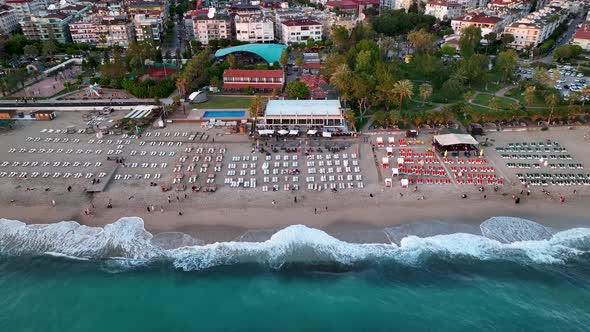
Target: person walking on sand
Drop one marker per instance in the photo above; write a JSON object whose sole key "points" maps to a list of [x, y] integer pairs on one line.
{"points": [[53, 202], [69, 188], [295, 199], [109, 205], [315, 210]]}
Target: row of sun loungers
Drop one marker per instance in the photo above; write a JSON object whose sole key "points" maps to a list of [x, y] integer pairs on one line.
{"points": [[66, 151], [49, 164], [76, 175], [156, 176], [531, 150], [537, 157], [556, 179]]}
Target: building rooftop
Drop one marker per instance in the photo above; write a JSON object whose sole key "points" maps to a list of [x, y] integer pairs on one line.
{"points": [[303, 107], [269, 52], [301, 23], [443, 3], [478, 18], [582, 32], [261, 73]]}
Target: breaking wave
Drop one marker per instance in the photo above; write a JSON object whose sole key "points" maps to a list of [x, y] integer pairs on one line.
{"points": [[126, 244]]}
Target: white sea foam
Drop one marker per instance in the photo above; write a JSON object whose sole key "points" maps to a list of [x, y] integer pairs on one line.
{"points": [[132, 246]]}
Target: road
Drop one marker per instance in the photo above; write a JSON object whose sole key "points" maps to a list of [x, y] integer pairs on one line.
{"points": [[563, 39], [177, 40]]}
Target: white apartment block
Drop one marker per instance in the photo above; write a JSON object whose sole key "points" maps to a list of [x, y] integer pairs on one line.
{"points": [[254, 29], [443, 9], [535, 28], [296, 31], [206, 29], [472, 4], [103, 31], [486, 23], [8, 20], [26, 8]]}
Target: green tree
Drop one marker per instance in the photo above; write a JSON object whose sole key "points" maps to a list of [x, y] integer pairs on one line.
{"points": [[541, 77], [297, 90], [231, 61], [284, 59], [216, 82], [453, 88], [350, 118], [529, 95], [403, 89], [421, 41], [507, 39], [469, 40], [254, 110], [585, 94], [507, 63], [447, 50], [562, 52], [299, 61], [552, 99], [342, 81], [49, 48], [425, 91], [340, 37], [31, 51], [494, 104]]}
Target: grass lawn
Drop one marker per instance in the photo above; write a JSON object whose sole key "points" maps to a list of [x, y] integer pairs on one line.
{"points": [[519, 94], [484, 99], [220, 102], [416, 105]]}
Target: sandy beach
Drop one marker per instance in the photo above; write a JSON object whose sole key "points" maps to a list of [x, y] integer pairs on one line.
{"points": [[358, 214]]}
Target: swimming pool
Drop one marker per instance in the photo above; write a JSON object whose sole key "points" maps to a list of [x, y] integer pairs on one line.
{"points": [[224, 114]]}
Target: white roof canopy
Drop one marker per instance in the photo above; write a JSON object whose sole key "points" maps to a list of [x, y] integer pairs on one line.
{"points": [[453, 139], [283, 132], [312, 132], [317, 107], [293, 132], [326, 134]]}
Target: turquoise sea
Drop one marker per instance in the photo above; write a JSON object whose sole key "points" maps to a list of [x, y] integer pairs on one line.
{"points": [[515, 275]]}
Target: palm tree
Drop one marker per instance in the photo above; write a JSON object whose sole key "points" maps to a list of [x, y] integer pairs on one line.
{"points": [[350, 118], [551, 99], [425, 92], [529, 95], [181, 86], [494, 104], [585, 93], [254, 109], [403, 88], [342, 80]]}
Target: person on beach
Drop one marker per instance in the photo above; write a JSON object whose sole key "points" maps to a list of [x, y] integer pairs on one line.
{"points": [[315, 210], [148, 209], [274, 202], [69, 188], [169, 199], [53, 202], [295, 199], [109, 205]]}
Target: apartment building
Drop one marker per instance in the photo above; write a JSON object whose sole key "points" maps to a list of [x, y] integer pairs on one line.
{"points": [[26, 8], [485, 22], [535, 28], [53, 26], [206, 29], [300, 30], [443, 9], [147, 28], [254, 29], [103, 31], [8, 20]]}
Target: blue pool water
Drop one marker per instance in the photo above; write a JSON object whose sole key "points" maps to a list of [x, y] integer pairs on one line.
{"points": [[223, 114]]}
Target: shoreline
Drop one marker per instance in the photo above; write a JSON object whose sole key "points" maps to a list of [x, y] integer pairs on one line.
{"points": [[360, 219]]}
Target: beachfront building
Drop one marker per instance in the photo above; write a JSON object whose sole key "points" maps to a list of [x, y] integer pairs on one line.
{"points": [[254, 29], [215, 28], [486, 23], [256, 79], [443, 9], [326, 115], [52, 26], [296, 31], [8, 21]]}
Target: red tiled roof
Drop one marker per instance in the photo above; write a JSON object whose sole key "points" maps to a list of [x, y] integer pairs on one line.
{"points": [[236, 85], [342, 4], [312, 65], [367, 2], [295, 23], [478, 18], [582, 32], [262, 73]]}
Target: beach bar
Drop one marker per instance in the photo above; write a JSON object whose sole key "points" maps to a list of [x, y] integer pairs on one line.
{"points": [[455, 142], [303, 115]]}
